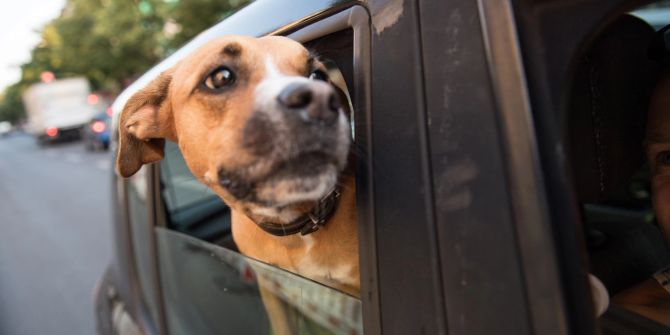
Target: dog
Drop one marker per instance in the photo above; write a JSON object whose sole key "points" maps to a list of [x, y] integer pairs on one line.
{"points": [[258, 122]]}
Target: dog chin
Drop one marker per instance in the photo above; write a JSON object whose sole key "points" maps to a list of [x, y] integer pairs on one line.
{"points": [[297, 189]]}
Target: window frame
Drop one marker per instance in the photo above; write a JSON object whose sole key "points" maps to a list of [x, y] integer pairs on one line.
{"points": [[128, 262], [357, 18]]}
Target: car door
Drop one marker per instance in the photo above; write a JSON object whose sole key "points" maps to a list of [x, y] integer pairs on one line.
{"points": [[455, 232]]}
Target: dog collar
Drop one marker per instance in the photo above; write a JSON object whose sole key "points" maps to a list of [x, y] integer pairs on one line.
{"points": [[309, 222]]}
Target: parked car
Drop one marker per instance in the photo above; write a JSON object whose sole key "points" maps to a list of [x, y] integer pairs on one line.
{"points": [[5, 128], [96, 134], [467, 118], [58, 110]]}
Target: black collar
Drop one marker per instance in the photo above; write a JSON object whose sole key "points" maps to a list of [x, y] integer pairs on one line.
{"points": [[309, 222]]}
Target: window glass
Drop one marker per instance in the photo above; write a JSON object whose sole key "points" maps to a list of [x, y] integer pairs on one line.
{"points": [[190, 206], [656, 14], [180, 189], [212, 290]]}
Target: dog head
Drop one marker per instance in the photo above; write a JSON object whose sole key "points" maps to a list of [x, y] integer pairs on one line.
{"points": [[256, 120]]}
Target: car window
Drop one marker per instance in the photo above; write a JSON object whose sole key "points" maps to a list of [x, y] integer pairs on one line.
{"points": [[207, 286], [606, 131], [190, 206], [656, 14]]}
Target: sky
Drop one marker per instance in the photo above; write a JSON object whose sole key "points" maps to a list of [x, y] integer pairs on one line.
{"points": [[19, 22]]}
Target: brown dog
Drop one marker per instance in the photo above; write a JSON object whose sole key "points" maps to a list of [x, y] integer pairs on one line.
{"points": [[258, 123]]}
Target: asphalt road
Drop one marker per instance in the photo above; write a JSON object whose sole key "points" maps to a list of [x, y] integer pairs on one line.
{"points": [[55, 224]]}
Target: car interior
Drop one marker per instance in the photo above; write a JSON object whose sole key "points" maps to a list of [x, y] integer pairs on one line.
{"points": [[604, 133]]}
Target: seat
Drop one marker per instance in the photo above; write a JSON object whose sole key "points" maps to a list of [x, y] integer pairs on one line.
{"points": [[605, 129]]}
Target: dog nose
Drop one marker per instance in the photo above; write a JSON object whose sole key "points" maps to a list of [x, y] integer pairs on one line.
{"points": [[316, 102]]}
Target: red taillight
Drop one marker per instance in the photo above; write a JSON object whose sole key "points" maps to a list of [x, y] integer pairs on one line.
{"points": [[47, 76], [110, 111], [98, 126], [92, 99], [52, 131]]}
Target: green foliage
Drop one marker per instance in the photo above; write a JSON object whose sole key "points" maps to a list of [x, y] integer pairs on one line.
{"points": [[111, 42], [194, 16], [11, 108]]}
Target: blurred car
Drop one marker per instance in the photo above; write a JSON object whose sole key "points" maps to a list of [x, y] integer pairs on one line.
{"points": [[96, 134], [5, 128], [58, 110]]}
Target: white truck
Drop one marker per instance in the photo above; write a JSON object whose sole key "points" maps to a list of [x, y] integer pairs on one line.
{"points": [[5, 128], [58, 109]]}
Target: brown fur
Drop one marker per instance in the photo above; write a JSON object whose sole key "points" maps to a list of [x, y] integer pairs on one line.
{"points": [[209, 130]]}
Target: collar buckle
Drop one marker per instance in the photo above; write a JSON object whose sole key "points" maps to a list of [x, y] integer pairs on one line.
{"points": [[312, 226]]}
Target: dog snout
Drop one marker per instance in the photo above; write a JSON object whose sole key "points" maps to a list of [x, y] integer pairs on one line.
{"points": [[315, 102]]}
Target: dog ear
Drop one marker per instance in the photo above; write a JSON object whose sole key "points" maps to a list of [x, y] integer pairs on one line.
{"points": [[145, 122]]}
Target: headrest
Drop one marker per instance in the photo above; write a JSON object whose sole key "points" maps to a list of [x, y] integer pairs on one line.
{"points": [[608, 107]]}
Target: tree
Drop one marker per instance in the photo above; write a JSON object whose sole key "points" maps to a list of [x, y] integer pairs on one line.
{"points": [[108, 41], [11, 106], [111, 42], [194, 16]]}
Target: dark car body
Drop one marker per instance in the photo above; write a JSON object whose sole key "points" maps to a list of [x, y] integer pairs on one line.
{"points": [[97, 133], [469, 222]]}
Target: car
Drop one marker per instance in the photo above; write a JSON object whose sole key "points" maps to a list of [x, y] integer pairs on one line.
{"points": [[5, 128], [96, 134], [57, 110], [469, 120]]}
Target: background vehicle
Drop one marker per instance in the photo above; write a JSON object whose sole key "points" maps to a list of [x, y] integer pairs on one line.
{"points": [[469, 217], [5, 128], [58, 109], [96, 134]]}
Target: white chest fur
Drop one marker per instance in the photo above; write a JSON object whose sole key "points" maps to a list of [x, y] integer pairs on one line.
{"points": [[332, 272]]}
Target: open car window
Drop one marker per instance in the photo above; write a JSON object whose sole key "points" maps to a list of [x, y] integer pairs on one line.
{"points": [[206, 285], [191, 207]]}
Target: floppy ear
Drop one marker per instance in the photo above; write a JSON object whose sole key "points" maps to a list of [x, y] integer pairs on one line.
{"points": [[145, 122]]}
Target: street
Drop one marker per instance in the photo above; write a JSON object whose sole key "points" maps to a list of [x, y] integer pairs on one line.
{"points": [[54, 235]]}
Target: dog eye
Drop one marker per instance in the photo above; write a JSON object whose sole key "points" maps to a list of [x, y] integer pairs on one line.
{"points": [[318, 75], [220, 78]]}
